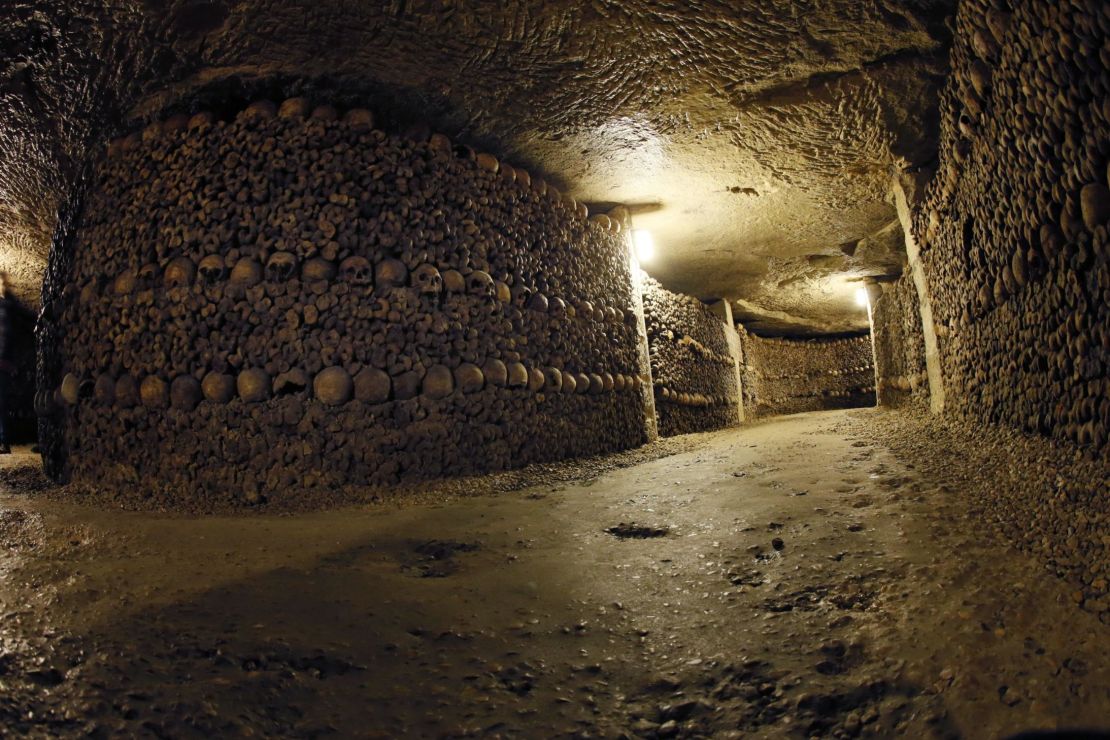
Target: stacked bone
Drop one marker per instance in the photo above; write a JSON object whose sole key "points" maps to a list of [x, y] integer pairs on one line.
{"points": [[691, 368], [1014, 225], [789, 376], [296, 301], [899, 345]]}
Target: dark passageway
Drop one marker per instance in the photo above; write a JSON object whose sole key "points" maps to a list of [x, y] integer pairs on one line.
{"points": [[555, 369]]}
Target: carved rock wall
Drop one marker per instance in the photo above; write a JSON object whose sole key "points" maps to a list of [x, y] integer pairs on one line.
{"points": [[899, 344], [788, 376], [691, 368], [1014, 225], [294, 301]]}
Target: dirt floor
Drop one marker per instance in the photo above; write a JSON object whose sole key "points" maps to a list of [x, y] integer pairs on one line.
{"points": [[794, 578]]}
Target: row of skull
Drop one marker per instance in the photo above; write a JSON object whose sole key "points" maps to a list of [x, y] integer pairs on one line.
{"points": [[357, 272], [682, 398], [362, 119], [335, 386]]}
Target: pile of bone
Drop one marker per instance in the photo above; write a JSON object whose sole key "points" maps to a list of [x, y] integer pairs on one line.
{"points": [[692, 369], [294, 253], [1015, 226]]}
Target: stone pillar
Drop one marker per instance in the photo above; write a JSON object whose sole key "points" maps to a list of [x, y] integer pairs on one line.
{"points": [[928, 329], [651, 421], [874, 292], [737, 353]]}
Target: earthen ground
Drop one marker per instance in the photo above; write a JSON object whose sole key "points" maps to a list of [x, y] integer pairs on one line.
{"points": [[793, 578]]}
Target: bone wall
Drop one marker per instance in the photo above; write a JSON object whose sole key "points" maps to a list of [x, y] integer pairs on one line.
{"points": [[691, 367], [294, 302], [899, 344], [788, 376], [1013, 226]]}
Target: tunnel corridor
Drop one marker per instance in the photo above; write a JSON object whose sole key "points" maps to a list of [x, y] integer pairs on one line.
{"points": [[555, 368]]}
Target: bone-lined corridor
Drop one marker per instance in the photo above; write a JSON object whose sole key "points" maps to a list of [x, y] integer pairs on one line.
{"points": [[555, 369]]}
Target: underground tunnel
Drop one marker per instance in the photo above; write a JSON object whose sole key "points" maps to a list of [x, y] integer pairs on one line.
{"points": [[567, 369]]}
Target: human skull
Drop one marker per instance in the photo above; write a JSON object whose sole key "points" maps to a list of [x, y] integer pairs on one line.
{"points": [[246, 273], [479, 283], [333, 386], [391, 273], [439, 382], [70, 389], [125, 283], [469, 378], [557, 307], [518, 375], [294, 108], [597, 385], [104, 392], [317, 269], [154, 392], [552, 379], [495, 372], [281, 267], [359, 118], [357, 271], [372, 385], [569, 382], [253, 385], [185, 393], [504, 292], [179, 273], [453, 281], [218, 387], [147, 279], [538, 302], [127, 391], [427, 279], [212, 270], [536, 379], [582, 383]]}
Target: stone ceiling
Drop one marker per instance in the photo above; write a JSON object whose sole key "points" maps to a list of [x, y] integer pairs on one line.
{"points": [[755, 140]]}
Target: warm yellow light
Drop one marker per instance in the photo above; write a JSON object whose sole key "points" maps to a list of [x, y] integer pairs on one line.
{"points": [[645, 245], [861, 296]]}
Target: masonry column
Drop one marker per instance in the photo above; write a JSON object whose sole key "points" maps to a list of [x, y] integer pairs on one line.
{"points": [[874, 292], [737, 353], [651, 421], [928, 329]]}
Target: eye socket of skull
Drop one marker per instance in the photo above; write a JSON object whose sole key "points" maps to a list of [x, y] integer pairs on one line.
{"points": [[356, 271], [148, 277], [179, 272], [281, 266], [212, 269], [480, 283], [427, 278]]}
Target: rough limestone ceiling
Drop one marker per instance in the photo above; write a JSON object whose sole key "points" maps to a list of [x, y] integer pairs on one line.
{"points": [[755, 140]]}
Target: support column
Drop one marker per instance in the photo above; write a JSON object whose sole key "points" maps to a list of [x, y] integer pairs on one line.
{"points": [[737, 353], [874, 292], [928, 329], [651, 421]]}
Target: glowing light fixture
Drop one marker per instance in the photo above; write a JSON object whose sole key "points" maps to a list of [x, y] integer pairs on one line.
{"points": [[861, 296], [644, 244]]}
